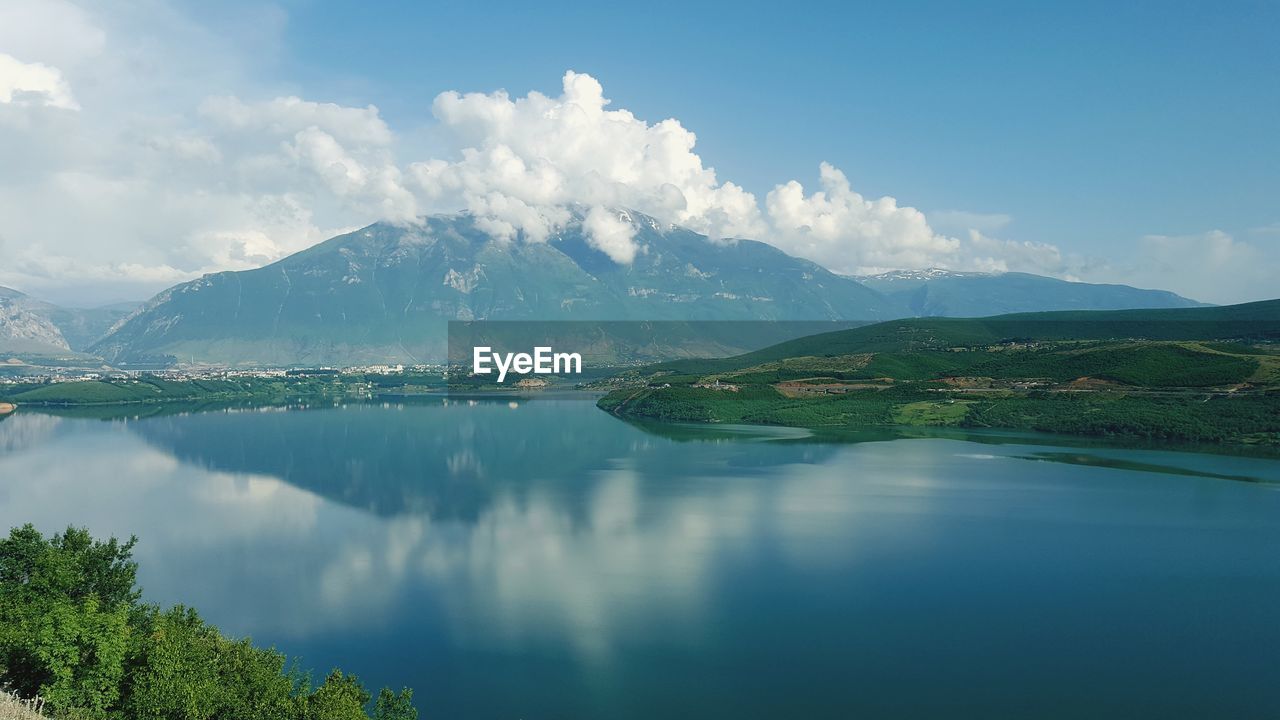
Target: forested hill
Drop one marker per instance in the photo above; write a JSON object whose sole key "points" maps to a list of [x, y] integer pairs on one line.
{"points": [[1249, 321], [1200, 374]]}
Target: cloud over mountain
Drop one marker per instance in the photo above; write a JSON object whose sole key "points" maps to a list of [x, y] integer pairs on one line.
{"points": [[521, 162], [143, 148]]}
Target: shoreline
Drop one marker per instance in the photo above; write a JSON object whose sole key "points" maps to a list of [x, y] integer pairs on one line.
{"points": [[1117, 425]]}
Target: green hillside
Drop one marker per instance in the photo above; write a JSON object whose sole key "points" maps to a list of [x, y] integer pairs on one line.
{"points": [[1203, 374], [1250, 321]]}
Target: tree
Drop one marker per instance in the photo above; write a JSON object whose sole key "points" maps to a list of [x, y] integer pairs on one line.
{"points": [[82, 648], [71, 565], [341, 697], [395, 706], [256, 683], [64, 605], [176, 674], [73, 630]]}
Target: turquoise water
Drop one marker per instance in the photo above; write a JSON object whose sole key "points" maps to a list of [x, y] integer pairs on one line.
{"points": [[518, 558]]}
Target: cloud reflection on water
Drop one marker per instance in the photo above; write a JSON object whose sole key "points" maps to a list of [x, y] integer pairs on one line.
{"points": [[588, 558]]}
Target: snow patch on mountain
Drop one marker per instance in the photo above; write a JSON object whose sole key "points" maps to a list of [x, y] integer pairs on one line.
{"points": [[918, 275]]}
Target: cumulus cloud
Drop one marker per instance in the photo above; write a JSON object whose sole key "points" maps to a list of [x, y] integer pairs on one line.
{"points": [[841, 229], [611, 233], [1212, 266], [990, 254], [160, 177], [53, 31], [522, 162], [362, 126], [374, 184], [33, 84]]}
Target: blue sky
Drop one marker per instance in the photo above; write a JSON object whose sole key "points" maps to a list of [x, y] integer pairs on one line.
{"points": [[1108, 142]]}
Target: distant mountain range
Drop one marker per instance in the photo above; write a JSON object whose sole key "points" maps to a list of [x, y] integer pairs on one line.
{"points": [[937, 292], [31, 326], [382, 294], [22, 330]]}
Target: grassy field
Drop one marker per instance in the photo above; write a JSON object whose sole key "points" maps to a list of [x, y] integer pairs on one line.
{"points": [[946, 412]]}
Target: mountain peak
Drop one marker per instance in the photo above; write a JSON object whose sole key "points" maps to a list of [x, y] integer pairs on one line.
{"points": [[384, 292], [23, 330], [932, 273], [28, 325]]}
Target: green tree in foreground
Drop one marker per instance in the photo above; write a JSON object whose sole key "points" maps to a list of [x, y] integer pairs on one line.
{"points": [[341, 697], [395, 706], [80, 649], [73, 631]]}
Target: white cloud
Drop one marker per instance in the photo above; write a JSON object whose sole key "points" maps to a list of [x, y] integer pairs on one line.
{"points": [[33, 84], [990, 254], [962, 221], [1272, 230], [373, 182], [846, 232], [53, 31], [612, 234], [1212, 266], [520, 163], [286, 115], [161, 176]]}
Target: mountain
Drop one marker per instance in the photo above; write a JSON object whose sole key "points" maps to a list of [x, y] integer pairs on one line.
{"points": [[23, 331], [82, 326], [75, 328], [974, 294], [382, 293]]}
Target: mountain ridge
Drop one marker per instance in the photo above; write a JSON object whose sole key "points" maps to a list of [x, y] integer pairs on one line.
{"points": [[382, 293], [63, 328], [369, 295], [24, 331], [941, 292]]}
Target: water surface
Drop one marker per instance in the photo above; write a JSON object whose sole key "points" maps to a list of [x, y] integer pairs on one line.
{"points": [[532, 559]]}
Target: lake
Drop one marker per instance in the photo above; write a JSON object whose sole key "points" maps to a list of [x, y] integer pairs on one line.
{"points": [[522, 558]]}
